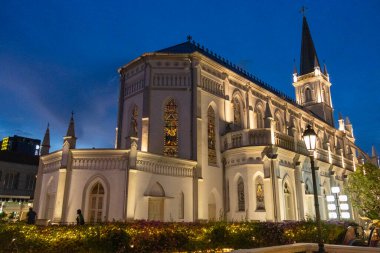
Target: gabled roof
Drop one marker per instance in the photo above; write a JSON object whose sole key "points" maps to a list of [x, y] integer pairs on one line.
{"points": [[309, 58], [191, 46]]}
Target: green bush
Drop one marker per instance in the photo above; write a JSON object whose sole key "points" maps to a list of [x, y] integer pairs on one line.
{"points": [[142, 236]]}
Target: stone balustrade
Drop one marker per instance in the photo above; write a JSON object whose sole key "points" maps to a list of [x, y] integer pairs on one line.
{"points": [[169, 169]]}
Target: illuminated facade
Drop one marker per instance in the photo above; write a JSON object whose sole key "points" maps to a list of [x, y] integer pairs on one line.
{"points": [[198, 138]]}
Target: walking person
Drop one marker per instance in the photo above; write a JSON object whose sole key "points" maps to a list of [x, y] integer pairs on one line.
{"points": [[80, 219], [31, 216]]}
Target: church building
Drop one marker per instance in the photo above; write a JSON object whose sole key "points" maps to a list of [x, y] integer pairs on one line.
{"points": [[199, 138]]}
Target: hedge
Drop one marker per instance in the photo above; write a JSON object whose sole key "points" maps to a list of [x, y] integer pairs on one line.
{"points": [[143, 236]]}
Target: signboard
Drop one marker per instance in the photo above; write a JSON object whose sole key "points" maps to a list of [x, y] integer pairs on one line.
{"points": [[4, 145]]}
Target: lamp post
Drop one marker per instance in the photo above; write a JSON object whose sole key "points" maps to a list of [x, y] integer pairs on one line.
{"points": [[310, 139]]}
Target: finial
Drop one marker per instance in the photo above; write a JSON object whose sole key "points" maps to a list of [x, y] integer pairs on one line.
{"points": [[189, 38], [303, 10], [48, 125], [72, 114], [295, 67]]}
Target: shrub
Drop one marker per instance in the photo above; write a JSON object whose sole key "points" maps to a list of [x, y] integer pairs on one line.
{"points": [[143, 236]]}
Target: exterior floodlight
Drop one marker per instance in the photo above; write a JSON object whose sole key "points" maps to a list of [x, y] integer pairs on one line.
{"points": [[310, 138], [343, 207], [332, 215], [331, 207], [343, 198], [335, 189], [330, 198], [345, 215]]}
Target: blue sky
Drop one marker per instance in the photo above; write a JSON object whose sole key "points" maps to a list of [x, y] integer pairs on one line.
{"points": [[59, 56]]}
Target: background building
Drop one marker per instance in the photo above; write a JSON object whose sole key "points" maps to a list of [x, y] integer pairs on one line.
{"points": [[199, 138], [19, 157]]}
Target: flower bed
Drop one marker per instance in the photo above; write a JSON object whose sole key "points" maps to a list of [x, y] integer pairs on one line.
{"points": [[142, 236]]}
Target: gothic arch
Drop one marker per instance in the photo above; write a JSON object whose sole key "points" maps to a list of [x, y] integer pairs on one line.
{"points": [[171, 125], [241, 205], [238, 109], [308, 94], [279, 121], [91, 182], [308, 186], [133, 114], [259, 191], [259, 112], [289, 199]]}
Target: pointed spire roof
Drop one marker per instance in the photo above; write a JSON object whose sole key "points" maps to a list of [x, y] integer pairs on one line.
{"points": [[374, 153], [46, 140], [268, 111], [71, 129], [348, 122], [325, 69], [309, 58]]}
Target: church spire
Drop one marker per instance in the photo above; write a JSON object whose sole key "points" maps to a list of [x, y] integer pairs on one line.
{"points": [[70, 135], [45, 147], [70, 129], [309, 58]]}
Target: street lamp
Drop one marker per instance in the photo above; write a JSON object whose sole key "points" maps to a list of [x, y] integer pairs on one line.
{"points": [[310, 139]]}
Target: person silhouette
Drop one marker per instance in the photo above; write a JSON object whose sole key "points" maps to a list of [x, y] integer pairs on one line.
{"points": [[80, 219], [31, 216]]}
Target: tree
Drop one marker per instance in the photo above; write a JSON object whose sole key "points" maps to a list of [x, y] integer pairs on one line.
{"points": [[363, 188]]}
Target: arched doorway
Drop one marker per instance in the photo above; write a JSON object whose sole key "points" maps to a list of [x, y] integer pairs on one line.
{"points": [[288, 199], [156, 203]]}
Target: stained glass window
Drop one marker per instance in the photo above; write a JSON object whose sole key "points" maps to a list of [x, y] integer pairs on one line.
{"points": [[171, 129], [211, 136], [241, 197], [237, 112], [260, 204]]}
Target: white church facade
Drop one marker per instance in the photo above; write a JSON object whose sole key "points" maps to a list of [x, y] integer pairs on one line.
{"points": [[198, 138]]}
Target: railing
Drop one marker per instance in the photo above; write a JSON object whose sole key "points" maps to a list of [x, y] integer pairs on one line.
{"points": [[52, 166], [99, 163], [162, 168], [336, 160], [259, 137], [348, 164], [323, 155], [284, 141]]}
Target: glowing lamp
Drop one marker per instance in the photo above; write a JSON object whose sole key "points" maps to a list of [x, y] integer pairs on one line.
{"points": [[343, 207], [333, 215], [345, 215], [335, 189], [330, 198], [310, 138], [331, 207], [342, 198]]}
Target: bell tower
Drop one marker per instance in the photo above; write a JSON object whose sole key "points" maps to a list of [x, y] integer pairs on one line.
{"points": [[312, 85]]}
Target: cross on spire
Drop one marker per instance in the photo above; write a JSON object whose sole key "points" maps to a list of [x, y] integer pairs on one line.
{"points": [[189, 38], [303, 10]]}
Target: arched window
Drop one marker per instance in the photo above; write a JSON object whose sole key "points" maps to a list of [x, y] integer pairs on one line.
{"points": [[288, 202], [259, 117], [308, 97], [181, 208], [171, 129], [237, 113], [279, 124], [241, 196], [133, 123], [211, 136], [308, 187], [96, 203], [260, 204]]}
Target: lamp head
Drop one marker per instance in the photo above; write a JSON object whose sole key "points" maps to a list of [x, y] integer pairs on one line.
{"points": [[310, 138]]}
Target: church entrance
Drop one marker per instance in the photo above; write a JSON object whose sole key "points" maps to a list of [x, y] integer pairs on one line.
{"points": [[156, 209]]}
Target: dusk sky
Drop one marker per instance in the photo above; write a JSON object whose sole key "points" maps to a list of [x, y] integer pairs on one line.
{"points": [[59, 56]]}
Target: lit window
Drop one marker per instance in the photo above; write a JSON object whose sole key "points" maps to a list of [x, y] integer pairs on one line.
{"points": [[241, 197], [96, 203], [260, 204], [211, 136], [171, 129]]}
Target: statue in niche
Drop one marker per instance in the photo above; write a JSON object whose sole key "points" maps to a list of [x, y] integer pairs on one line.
{"points": [[133, 124]]}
